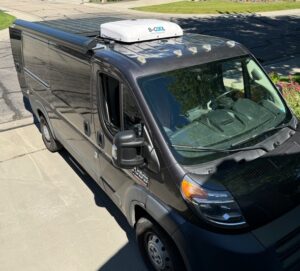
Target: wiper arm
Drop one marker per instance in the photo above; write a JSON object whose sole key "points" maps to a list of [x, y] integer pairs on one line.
{"points": [[208, 149], [263, 132], [189, 148], [288, 125]]}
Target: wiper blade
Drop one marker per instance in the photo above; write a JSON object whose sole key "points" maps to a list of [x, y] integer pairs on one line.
{"points": [[189, 148], [263, 132], [288, 125]]}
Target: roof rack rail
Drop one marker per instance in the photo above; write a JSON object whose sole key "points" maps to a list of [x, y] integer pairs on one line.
{"points": [[78, 43]]}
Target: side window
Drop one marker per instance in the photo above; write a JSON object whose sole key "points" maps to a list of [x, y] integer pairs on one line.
{"points": [[131, 114], [111, 102], [261, 87], [112, 97]]}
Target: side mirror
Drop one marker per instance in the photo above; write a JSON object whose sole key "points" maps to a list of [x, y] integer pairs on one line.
{"points": [[127, 150], [256, 75]]}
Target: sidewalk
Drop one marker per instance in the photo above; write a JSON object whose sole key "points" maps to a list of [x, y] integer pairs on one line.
{"points": [[45, 10], [33, 10], [126, 7]]}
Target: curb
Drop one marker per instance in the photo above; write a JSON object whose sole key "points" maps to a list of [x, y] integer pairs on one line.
{"points": [[131, 11], [16, 124]]}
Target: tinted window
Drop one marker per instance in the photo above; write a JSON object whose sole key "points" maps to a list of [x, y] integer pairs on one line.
{"points": [[131, 114], [111, 99], [111, 93]]}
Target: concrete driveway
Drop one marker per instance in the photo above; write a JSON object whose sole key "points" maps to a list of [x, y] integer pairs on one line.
{"points": [[49, 220], [11, 99], [53, 216]]}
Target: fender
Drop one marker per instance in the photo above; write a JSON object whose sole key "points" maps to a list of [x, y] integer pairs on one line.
{"points": [[162, 214], [165, 216], [135, 195]]}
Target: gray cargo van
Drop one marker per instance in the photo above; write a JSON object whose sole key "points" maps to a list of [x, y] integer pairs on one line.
{"points": [[185, 132]]}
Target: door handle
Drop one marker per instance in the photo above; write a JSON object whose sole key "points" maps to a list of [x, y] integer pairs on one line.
{"points": [[100, 138], [87, 127]]}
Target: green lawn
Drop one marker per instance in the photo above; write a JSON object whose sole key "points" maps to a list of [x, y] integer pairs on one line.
{"points": [[219, 6], [5, 20]]}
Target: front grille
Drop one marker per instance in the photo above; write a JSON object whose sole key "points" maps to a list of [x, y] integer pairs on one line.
{"points": [[288, 250]]}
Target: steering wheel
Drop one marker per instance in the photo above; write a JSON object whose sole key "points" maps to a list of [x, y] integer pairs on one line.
{"points": [[213, 101]]}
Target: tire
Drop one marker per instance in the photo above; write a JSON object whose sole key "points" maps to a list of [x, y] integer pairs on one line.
{"points": [[47, 136], [157, 249]]}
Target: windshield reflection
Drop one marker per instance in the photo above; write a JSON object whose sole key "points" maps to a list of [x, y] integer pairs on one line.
{"points": [[213, 105]]}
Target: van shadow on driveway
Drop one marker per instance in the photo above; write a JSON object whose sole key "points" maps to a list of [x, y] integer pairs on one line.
{"points": [[128, 257], [270, 38]]}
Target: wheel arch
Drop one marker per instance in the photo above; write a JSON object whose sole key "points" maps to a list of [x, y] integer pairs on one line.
{"points": [[163, 217], [140, 203], [39, 111]]}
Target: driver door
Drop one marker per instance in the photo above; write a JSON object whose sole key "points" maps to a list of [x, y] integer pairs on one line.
{"points": [[114, 110]]}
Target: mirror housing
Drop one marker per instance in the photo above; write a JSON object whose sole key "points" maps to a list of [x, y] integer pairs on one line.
{"points": [[127, 150], [256, 75]]}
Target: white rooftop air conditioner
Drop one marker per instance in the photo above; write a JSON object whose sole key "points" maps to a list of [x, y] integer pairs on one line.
{"points": [[130, 31]]}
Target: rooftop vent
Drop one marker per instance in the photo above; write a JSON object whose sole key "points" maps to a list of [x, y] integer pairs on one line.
{"points": [[129, 31]]}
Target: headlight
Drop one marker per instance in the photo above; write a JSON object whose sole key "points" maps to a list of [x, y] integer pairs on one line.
{"points": [[217, 207]]}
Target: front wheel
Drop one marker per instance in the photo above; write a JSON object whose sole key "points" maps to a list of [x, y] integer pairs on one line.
{"points": [[158, 250]]}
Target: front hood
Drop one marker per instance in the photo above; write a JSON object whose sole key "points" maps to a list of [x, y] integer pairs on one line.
{"points": [[266, 187]]}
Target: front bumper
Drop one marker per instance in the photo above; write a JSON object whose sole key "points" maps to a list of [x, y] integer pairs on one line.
{"points": [[273, 247]]}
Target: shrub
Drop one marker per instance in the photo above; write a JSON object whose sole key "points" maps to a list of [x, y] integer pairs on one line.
{"points": [[290, 89]]}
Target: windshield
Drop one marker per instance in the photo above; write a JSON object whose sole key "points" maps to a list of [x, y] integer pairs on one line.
{"points": [[218, 105]]}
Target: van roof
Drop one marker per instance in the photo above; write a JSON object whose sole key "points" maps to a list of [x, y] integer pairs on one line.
{"points": [[189, 44], [165, 54], [88, 27], [150, 57]]}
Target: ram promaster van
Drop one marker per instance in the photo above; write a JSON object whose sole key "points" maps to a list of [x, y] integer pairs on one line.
{"points": [[185, 132]]}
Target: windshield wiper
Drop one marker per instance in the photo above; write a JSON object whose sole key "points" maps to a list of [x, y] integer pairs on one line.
{"points": [[209, 149], [189, 148], [287, 125], [264, 132]]}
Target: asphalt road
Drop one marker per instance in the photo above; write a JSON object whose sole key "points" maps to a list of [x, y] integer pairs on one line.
{"points": [[270, 39]]}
